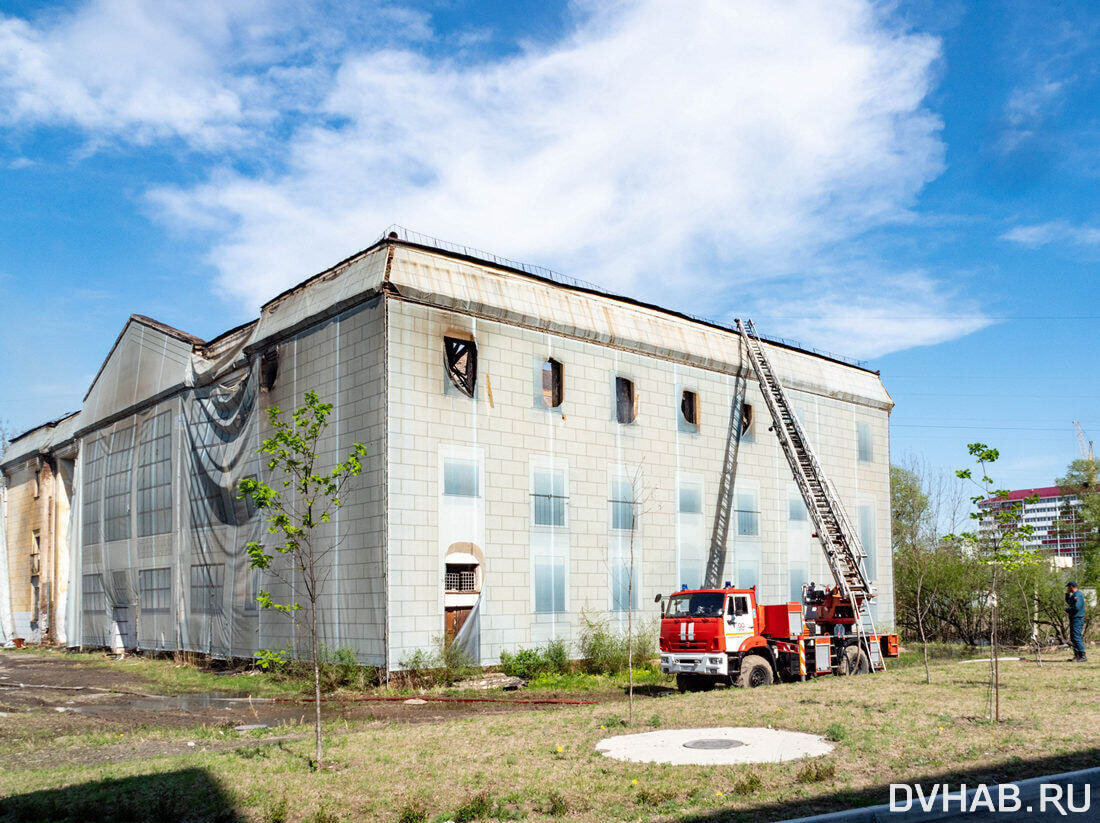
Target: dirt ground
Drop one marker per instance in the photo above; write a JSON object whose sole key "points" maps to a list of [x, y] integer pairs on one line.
{"points": [[52, 697]]}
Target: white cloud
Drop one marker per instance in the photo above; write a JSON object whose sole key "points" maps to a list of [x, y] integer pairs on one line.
{"points": [[698, 155], [211, 73], [1035, 235]]}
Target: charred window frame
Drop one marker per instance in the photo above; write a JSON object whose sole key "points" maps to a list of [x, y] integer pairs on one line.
{"points": [[688, 414], [269, 369], [626, 400], [460, 360], [553, 383], [746, 424]]}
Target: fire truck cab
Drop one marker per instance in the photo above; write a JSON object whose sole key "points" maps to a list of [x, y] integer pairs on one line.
{"points": [[714, 636]]}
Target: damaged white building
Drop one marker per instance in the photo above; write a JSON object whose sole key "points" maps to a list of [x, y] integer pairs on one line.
{"points": [[524, 434]]}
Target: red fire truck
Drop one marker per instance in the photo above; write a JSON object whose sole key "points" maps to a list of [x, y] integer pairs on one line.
{"points": [[722, 635]]}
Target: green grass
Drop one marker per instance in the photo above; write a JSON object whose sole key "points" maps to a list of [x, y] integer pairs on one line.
{"points": [[542, 765]]}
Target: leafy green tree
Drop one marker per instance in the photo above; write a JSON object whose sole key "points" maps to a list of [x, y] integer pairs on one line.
{"points": [[1081, 480], [302, 499], [1000, 541], [912, 521]]}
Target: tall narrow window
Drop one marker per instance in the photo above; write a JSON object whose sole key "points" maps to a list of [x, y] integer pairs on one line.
{"points": [[690, 533], [748, 515], [155, 590], [154, 476], [92, 506], [689, 411], [548, 496], [461, 361], [460, 478], [553, 385], [863, 440], [626, 407], [867, 538], [206, 588], [92, 595], [622, 504], [117, 498], [549, 583]]}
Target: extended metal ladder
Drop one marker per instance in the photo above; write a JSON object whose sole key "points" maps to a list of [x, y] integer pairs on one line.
{"points": [[723, 510], [839, 540]]}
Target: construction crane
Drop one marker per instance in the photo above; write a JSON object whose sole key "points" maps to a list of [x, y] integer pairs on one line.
{"points": [[1087, 454]]}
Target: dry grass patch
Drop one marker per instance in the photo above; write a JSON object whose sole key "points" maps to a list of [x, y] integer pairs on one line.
{"points": [[543, 765]]}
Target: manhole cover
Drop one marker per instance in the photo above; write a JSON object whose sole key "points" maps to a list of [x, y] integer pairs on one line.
{"points": [[713, 743]]}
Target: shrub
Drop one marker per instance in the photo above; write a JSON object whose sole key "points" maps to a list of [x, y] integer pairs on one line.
{"points": [[836, 732], [604, 649], [748, 784], [444, 664], [555, 805], [815, 771], [557, 657], [525, 663], [413, 812], [477, 807], [553, 658]]}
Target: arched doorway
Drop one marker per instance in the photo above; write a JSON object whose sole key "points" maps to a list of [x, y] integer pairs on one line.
{"points": [[463, 574]]}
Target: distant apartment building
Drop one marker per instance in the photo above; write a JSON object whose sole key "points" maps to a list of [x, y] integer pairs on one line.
{"points": [[526, 434], [1057, 528]]}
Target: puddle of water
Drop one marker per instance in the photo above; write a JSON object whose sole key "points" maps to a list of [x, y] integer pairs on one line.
{"points": [[182, 702]]}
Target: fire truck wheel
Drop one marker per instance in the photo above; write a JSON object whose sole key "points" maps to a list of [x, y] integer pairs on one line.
{"points": [[755, 671], [854, 661]]}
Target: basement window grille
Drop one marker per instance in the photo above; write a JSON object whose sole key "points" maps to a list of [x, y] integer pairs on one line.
{"points": [[461, 361], [626, 405], [553, 385]]}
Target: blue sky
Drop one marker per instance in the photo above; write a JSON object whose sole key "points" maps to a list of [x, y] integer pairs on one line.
{"points": [[913, 184]]}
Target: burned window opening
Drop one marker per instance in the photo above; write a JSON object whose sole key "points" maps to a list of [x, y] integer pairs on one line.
{"points": [[626, 409], [461, 357], [269, 369], [746, 419], [553, 389], [689, 407]]}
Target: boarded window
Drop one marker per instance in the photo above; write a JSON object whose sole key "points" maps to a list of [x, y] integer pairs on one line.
{"points": [[460, 478], [553, 386], [626, 408], [461, 360], [154, 476], [92, 594], [206, 588], [92, 505], [688, 417], [155, 590], [863, 439], [548, 497], [116, 523], [622, 504], [748, 515]]}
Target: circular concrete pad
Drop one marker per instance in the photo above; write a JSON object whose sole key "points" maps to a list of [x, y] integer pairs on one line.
{"points": [[738, 745]]}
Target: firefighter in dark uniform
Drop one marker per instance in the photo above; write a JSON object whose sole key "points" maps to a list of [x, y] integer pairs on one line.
{"points": [[1075, 611]]}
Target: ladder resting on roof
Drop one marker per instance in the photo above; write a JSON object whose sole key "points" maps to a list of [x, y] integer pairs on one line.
{"points": [[839, 540]]}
